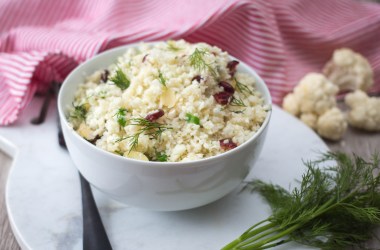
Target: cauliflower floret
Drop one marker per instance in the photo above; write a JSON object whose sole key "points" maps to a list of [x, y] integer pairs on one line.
{"points": [[310, 119], [313, 101], [349, 70], [332, 124], [291, 104], [86, 132], [315, 93], [365, 111]]}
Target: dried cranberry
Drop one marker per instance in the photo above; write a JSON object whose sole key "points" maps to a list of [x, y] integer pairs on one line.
{"points": [[222, 97], [93, 141], [227, 87], [104, 75], [154, 115], [232, 67], [197, 77], [144, 58], [227, 144]]}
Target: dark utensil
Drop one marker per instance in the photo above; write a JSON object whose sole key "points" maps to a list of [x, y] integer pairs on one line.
{"points": [[94, 233], [45, 105]]}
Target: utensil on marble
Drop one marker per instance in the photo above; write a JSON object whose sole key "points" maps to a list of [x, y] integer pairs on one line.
{"points": [[94, 233], [45, 105]]}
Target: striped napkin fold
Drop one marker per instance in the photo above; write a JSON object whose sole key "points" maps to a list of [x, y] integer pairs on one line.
{"points": [[41, 41]]}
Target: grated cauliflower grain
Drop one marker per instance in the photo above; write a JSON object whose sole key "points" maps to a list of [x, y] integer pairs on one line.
{"points": [[163, 78]]}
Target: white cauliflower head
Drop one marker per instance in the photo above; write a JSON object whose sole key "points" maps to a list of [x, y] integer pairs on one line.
{"points": [[313, 101], [310, 120], [332, 124], [349, 70], [315, 93], [291, 104], [365, 111]]}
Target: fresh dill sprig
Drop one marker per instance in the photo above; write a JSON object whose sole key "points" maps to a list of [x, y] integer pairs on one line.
{"points": [[120, 79], [161, 156], [335, 207], [79, 112], [172, 47], [118, 152], [120, 116], [153, 129], [242, 88], [161, 78], [192, 119], [235, 101], [198, 62]]}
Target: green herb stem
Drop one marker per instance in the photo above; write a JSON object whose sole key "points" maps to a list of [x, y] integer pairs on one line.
{"points": [[259, 233], [334, 207], [249, 233], [275, 237], [278, 243], [161, 78]]}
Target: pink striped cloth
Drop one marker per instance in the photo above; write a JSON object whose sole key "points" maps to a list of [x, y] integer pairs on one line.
{"points": [[44, 40]]}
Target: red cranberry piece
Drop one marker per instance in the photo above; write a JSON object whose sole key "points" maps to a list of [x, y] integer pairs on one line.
{"points": [[227, 87], [197, 77], [104, 75], [222, 97], [144, 58], [232, 67], [154, 115], [227, 144], [93, 141]]}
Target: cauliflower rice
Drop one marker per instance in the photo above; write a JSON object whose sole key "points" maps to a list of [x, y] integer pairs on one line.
{"points": [[168, 101]]}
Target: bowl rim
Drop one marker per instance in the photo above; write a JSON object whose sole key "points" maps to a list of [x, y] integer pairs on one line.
{"points": [[205, 161]]}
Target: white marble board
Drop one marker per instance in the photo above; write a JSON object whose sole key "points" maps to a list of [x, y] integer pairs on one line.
{"points": [[44, 203]]}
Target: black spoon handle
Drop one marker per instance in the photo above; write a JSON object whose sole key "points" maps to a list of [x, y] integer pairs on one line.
{"points": [[44, 108], [94, 234]]}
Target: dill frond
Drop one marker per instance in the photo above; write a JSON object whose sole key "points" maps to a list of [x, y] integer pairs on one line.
{"points": [[198, 62], [120, 79], [120, 116], [242, 88], [161, 156], [153, 129], [235, 101], [192, 119], [79, 112], [333, 208], [161, 78]]}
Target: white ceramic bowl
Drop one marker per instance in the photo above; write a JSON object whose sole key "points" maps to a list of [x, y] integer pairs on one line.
{"points": [[164, 186]]}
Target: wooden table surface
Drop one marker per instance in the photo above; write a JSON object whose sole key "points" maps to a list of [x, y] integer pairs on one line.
{"points": [[359, 142]]}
